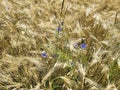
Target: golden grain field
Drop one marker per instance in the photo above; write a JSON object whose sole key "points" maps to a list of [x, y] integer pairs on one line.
{"points": [[59, 44]]}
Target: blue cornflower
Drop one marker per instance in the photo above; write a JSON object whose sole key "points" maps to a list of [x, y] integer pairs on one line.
{"points": [[44, 54], [83, 46], [59, 29], [75, 45]]}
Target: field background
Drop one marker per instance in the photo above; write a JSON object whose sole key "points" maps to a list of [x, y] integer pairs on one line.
{"points": [[40, 44]]}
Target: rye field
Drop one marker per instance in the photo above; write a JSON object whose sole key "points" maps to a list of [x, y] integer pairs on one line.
{"points": [[59, 44]]}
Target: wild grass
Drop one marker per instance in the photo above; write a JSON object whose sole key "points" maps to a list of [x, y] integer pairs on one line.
{"points": [[41, 45]]}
